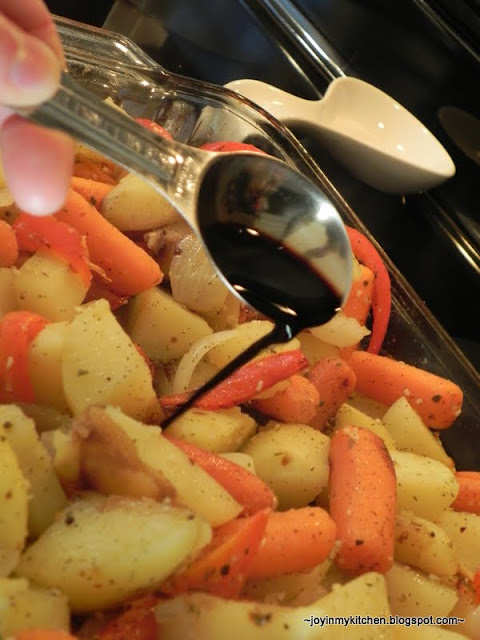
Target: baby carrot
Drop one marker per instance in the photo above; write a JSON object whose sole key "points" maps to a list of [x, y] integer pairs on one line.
{"points": [[294, 540], [130, 269], [297, 402], [247, 488], [437, 400], [136, 622], [362, 498], [334, 380], [468, 497], [8, 245], [224, 565], [92, 190]]}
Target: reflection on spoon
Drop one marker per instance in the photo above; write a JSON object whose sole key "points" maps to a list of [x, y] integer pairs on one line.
{"points": [[366, 130]]}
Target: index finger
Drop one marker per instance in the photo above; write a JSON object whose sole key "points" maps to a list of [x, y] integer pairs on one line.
{"points": [[35, 19]]}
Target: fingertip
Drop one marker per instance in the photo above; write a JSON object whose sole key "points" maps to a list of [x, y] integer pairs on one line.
{"points": [[29, 70], [38, 165]]}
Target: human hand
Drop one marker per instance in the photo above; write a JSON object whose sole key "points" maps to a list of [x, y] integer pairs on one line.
{"points": [[37, 162]]}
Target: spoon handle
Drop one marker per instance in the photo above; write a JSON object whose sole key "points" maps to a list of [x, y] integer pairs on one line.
{"points": [[112, 133]]}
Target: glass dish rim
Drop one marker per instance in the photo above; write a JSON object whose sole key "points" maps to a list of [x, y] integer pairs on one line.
{"points": [[406, 302]]}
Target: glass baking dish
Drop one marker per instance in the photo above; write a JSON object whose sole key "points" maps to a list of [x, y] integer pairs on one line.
{"points": [[194, 113]]}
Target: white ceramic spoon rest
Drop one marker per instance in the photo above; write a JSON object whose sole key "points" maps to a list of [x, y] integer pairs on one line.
{"points": [[365, 129]]}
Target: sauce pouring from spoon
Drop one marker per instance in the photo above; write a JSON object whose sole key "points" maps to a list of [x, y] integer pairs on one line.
{"points": [[274, 237]]}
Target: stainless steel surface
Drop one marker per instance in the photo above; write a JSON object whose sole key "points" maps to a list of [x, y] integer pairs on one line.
{"points": [[204, 186]]}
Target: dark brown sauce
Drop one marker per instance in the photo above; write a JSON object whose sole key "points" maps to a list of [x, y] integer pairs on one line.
{"points": [[273, 280]]}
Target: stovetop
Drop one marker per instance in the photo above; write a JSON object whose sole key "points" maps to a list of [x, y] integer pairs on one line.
{"points": [[413, 50]]}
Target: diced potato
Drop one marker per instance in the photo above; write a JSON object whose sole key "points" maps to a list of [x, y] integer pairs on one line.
{"points": [[228, 316], [13, 504], [66, 457], [101, 365], [464, 531], [194, 280], [45, 356], [294, 589], [46, 495], [103, 550], [424, 545], [24, 606], [123, 456], [424, 486], [201, 616], [162, 327], [219, 431], [367, 405], [134, 205], [242, 459], [244, 335], [8, 294], [348, 415], [411, 434], [48, 286], [293, 460], [413, 593], [315, 349], [341, 331]]}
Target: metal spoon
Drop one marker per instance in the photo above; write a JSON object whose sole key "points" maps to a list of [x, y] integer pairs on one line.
{"points": [[365, 129], [248, 192]]}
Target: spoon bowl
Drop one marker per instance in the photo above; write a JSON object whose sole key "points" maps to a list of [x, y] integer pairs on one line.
{"points": [[366, 130], [274, 236]]}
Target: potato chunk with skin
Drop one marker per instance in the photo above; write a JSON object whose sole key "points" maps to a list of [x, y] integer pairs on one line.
{"points": [[293, 460], [121, 455], [101, 364], [103, 550]]}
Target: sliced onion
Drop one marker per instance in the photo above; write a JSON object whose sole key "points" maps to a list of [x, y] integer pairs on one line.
{"points": [[193, 279], [189, 361], [341, 331]]}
